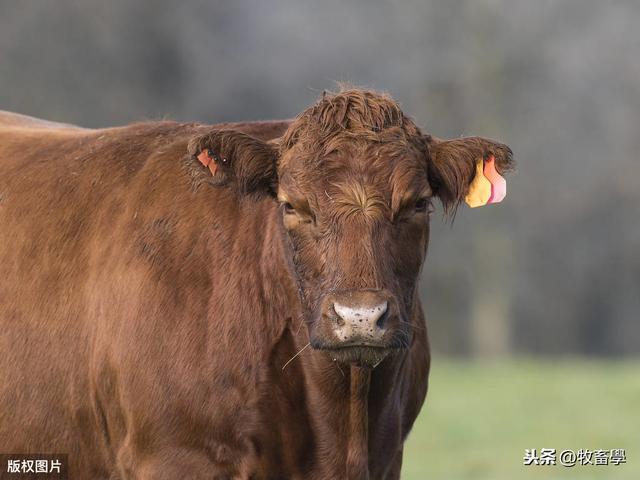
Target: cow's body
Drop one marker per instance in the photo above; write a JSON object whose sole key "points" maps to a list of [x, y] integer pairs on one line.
{"points": [[146, 317]]}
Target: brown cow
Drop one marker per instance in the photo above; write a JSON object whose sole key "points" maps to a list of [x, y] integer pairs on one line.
{"points": [[161, 322]]}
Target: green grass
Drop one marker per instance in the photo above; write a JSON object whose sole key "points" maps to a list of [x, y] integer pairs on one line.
{"points": [[480, 416]]}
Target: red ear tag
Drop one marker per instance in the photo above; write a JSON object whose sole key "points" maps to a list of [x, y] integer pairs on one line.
{"points": [[207, 159]]}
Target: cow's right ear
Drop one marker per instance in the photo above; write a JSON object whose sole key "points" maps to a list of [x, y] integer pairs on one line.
{"points": [[237, 160]]}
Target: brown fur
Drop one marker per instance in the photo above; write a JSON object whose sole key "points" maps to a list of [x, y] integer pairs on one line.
{"points": [[148, 310]]}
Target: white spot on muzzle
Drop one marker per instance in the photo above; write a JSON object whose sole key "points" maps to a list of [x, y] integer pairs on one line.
{"points": [[360, 318]]}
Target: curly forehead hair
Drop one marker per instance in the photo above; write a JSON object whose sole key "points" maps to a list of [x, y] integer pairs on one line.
{"points": [[350, 114]]}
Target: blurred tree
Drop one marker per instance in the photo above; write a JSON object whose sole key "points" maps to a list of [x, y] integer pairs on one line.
{"points": [[555, 269]]}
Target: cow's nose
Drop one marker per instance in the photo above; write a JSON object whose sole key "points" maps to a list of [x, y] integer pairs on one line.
{"points": [[369, 315], [360, 317]]}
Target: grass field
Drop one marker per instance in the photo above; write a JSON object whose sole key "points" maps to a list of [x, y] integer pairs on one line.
{"points": [[480, 416]]}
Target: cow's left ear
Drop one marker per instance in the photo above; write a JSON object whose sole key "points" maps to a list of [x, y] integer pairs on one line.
{"points": [[468, 168], [237, 160]]}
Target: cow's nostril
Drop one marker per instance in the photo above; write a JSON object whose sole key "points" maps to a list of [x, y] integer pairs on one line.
{"points": [[332, 316], [382, 320]]}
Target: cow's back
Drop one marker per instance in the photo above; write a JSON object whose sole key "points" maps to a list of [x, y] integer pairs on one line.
{"points": [[11, 119]]}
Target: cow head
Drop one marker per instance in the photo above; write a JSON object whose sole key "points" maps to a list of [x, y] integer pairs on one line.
{"points": [[355, 180]]}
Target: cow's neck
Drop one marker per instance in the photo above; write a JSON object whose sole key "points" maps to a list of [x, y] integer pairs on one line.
{"points": [[338, 404], [351, 411], [358, 442]]}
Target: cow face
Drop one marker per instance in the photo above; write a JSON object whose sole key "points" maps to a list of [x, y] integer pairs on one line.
{"points": [[355, 181]]}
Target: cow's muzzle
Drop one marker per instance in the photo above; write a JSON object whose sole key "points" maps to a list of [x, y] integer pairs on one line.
{"points": [[357, 324]]}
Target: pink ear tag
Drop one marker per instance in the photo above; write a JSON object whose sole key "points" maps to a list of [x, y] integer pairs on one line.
{"points": [[498, 183], [488, 186]]}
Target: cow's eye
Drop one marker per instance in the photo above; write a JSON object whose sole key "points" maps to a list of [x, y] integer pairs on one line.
{"points": [[288, 208], [296, 215], [422, 205]]}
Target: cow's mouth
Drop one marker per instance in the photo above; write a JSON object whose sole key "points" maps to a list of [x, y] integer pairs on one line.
{"points": [[362, 355]]}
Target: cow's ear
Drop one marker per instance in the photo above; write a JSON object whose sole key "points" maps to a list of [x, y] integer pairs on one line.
{"points": [[468, 168], [236, 160]]}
